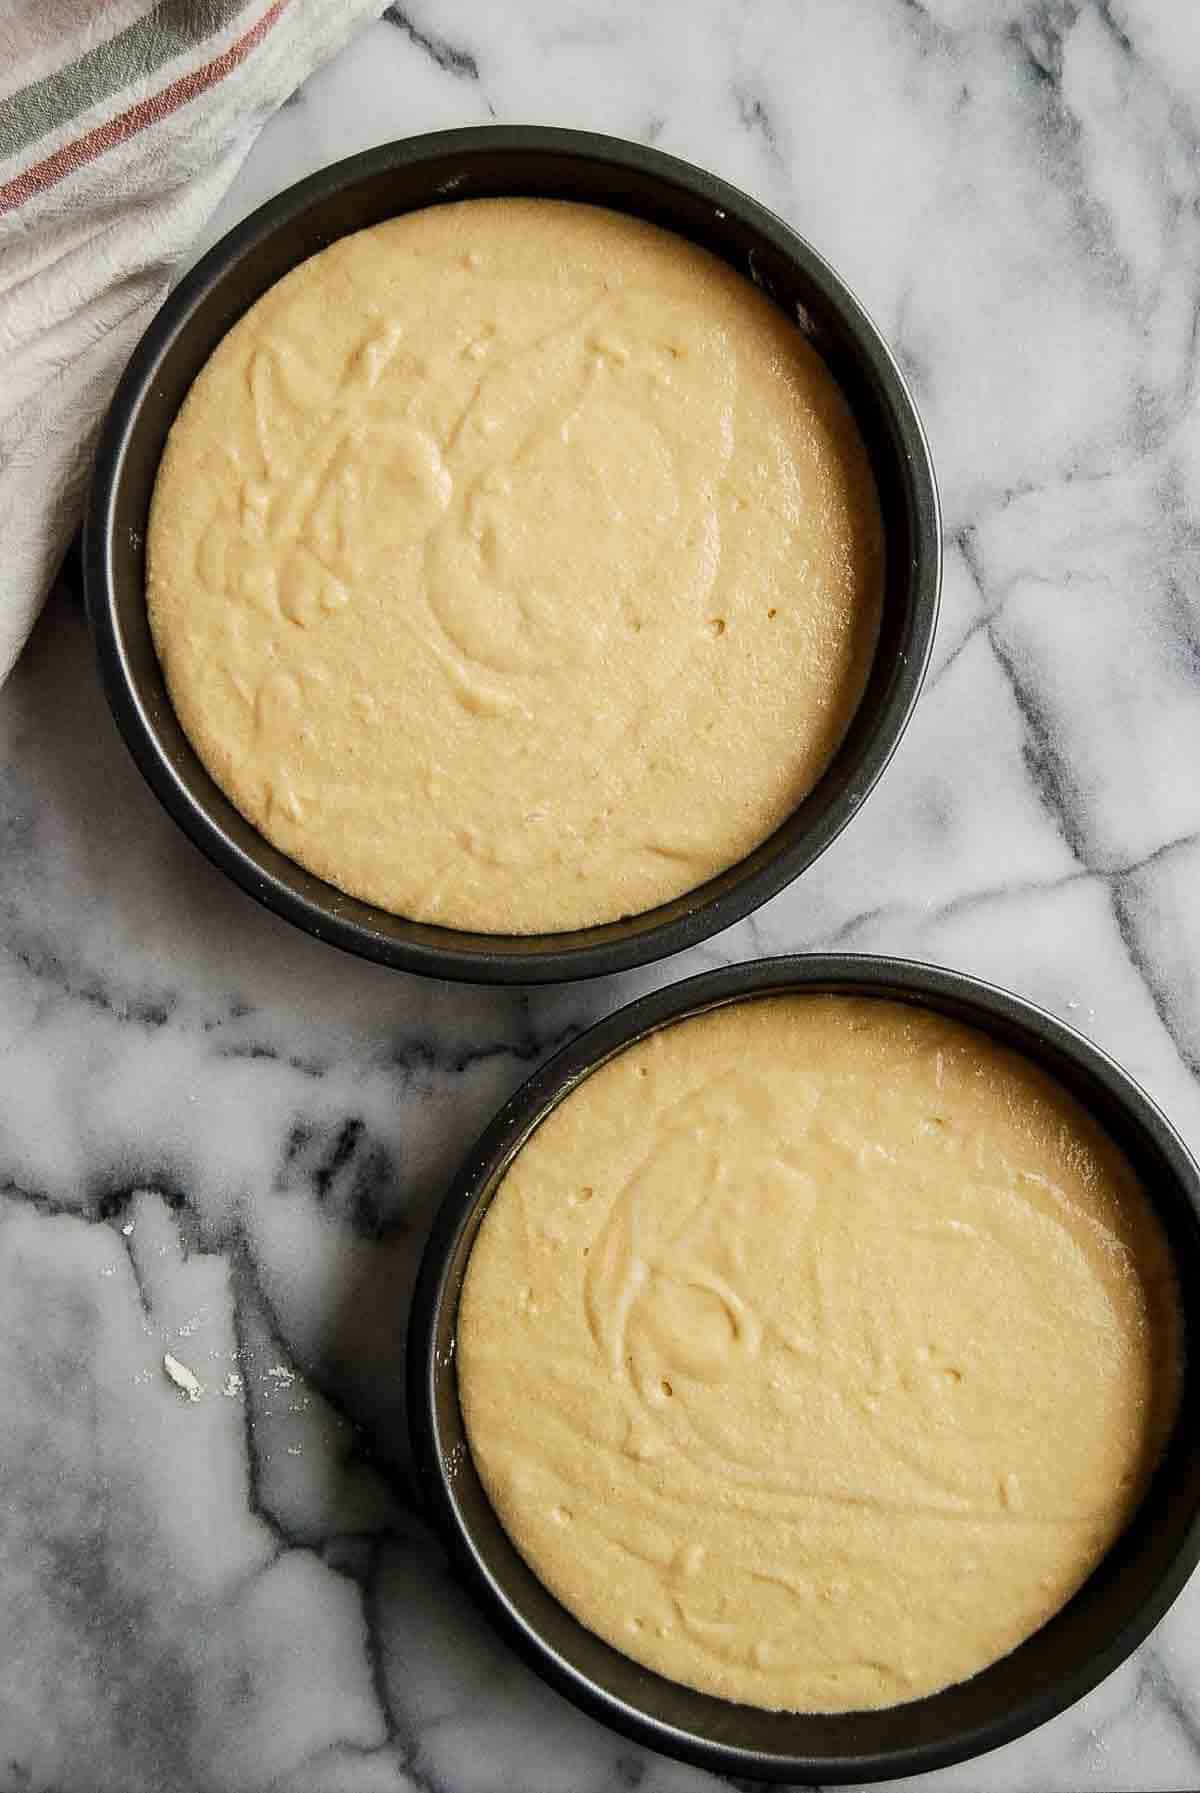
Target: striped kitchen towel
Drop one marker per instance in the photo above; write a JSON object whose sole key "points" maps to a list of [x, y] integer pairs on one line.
{"points": [[122, 122]]}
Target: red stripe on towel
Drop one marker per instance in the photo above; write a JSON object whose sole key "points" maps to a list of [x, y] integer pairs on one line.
{"points": [[118, 130]]}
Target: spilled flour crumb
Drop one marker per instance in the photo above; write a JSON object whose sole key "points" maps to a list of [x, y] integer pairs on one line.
{"points": [[182, 1377]]}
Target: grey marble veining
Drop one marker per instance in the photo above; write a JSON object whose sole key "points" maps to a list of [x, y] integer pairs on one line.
{"points": [[221, 1140]]}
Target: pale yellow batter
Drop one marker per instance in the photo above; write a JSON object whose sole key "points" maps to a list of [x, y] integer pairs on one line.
{"points": [[515, 565], [815, 1350]]}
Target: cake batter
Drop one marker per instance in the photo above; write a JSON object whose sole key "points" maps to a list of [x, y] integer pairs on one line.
{"points": [[515, 565], [815, 1350]]}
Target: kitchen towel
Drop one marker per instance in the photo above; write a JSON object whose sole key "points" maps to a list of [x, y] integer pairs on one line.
{"points": [[122, 122]]}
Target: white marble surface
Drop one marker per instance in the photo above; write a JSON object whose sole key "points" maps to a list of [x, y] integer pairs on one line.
{"points": [[222, 1140]]}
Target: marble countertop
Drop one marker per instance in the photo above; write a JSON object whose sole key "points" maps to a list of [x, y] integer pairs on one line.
{"points": [[221, 1140]]}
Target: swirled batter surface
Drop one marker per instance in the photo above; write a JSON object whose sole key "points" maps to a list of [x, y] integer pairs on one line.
{"points": [[814, 1351], [515, 565]]}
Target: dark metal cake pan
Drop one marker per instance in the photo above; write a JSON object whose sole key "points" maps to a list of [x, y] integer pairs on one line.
{"points": [[365, 190], [1110, 1615]]}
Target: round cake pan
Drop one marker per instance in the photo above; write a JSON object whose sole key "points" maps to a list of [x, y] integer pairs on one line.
{"points": [[423, 171], [1113, 1611]]}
